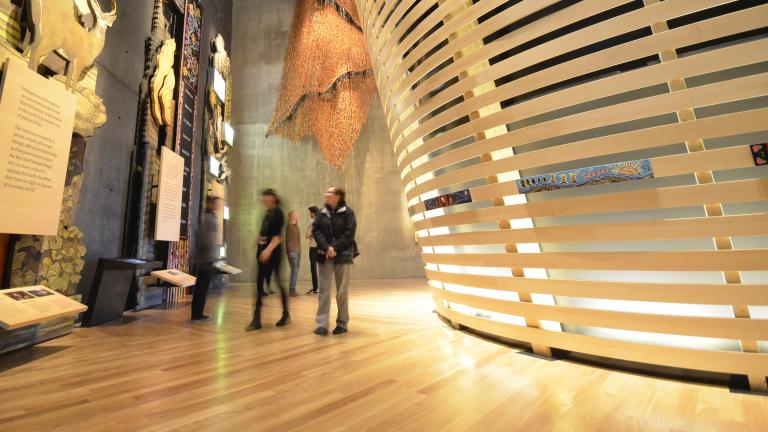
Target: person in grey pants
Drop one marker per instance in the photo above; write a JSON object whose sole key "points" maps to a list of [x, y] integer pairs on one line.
{"points": [[334, 230], [293, 249]]}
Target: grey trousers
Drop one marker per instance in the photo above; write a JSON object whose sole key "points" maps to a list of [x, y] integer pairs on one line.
{"points": [[330, 272]]}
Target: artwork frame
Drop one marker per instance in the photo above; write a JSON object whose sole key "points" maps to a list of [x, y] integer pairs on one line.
{"points": [[448, 200], [588, 176], [760, 154]]}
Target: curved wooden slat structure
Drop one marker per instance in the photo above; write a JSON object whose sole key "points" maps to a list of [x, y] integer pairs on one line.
{"points": [[665, 100]]}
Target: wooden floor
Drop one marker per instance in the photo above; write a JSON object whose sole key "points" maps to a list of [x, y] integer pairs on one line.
{"points": [[399, 369]]}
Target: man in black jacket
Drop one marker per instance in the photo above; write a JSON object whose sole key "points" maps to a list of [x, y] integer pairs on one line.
{"points": [[334, 230]]}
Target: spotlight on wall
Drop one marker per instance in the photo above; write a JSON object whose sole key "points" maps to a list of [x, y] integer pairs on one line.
{"points": [[219, 85], [214, 166], [229, 134]]}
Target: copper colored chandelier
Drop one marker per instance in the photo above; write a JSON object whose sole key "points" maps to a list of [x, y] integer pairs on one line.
{"points": [[327, 83]]}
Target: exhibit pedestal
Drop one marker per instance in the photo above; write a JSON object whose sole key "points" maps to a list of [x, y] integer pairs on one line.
{"points": [[34, 314], [177, 281], [12, 340], [148, 296], [111, 286]]}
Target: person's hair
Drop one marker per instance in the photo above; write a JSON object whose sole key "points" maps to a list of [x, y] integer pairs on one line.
{"points": [[313, 210], [340, 192], [271, 192]]}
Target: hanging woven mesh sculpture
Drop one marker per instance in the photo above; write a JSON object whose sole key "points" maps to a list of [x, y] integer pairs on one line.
{"points": [[327, 83]]}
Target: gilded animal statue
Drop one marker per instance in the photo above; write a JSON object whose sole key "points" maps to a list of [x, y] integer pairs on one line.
{"points": [[163, 84], [55, 26]]}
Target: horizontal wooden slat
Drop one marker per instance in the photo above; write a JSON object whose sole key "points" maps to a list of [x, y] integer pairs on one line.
{"points": [[581, 38], [707, 62], [399, 65], [744, 225], [712, 94], [712, 160], [711, 294], [725, 328], [582, 10], [688, 163], [708, 128], [646, 46], [686, 358], [397, 13], [715, 260], [741, 54], [394, 44], [651, 45], [672, 197]]}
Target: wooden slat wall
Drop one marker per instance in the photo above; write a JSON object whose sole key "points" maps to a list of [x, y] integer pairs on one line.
{"points": [[476, 92]]}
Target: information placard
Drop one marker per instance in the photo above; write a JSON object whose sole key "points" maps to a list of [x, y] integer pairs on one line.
{"points": [[21, 307], [169, 196], [175, 277], [38, 116], [226, 268]]}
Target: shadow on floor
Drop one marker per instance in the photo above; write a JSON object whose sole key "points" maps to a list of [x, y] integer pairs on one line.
{"points": [[26, 355]]}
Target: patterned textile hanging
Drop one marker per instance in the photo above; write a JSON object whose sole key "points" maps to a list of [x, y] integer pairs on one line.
{"points": [[327, 84]]}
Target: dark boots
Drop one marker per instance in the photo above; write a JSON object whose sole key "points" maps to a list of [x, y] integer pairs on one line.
{"points": [[256, 322], [285, 320]]}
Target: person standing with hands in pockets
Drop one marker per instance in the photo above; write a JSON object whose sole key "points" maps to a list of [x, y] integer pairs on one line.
{"points": [[334, 231]]}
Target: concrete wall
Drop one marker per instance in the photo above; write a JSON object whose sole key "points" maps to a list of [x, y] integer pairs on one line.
{"points": [[101, 211], [217, 18], [261, 32]]}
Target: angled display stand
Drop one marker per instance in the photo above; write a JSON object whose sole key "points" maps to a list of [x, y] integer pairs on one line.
{"points": [[175, 277], [22, 307], [111, 286], [177, 281], [225, 268]]}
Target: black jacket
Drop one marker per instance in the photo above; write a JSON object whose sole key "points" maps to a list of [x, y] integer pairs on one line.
{"points": [[208, 249], [336, 228]]}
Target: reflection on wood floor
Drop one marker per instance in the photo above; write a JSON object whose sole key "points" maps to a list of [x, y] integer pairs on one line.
{"points": [[398, 369]]}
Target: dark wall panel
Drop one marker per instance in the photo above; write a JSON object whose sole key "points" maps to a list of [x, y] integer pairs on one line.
{"points": [[101, 211]]}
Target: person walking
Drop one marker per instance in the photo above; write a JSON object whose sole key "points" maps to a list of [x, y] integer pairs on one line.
{"points": [[269, 255], [334, 230], [312, 249], [207, 252], [293, 249]]}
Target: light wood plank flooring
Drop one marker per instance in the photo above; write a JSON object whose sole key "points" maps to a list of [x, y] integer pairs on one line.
{"points": [[399, 369]]}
